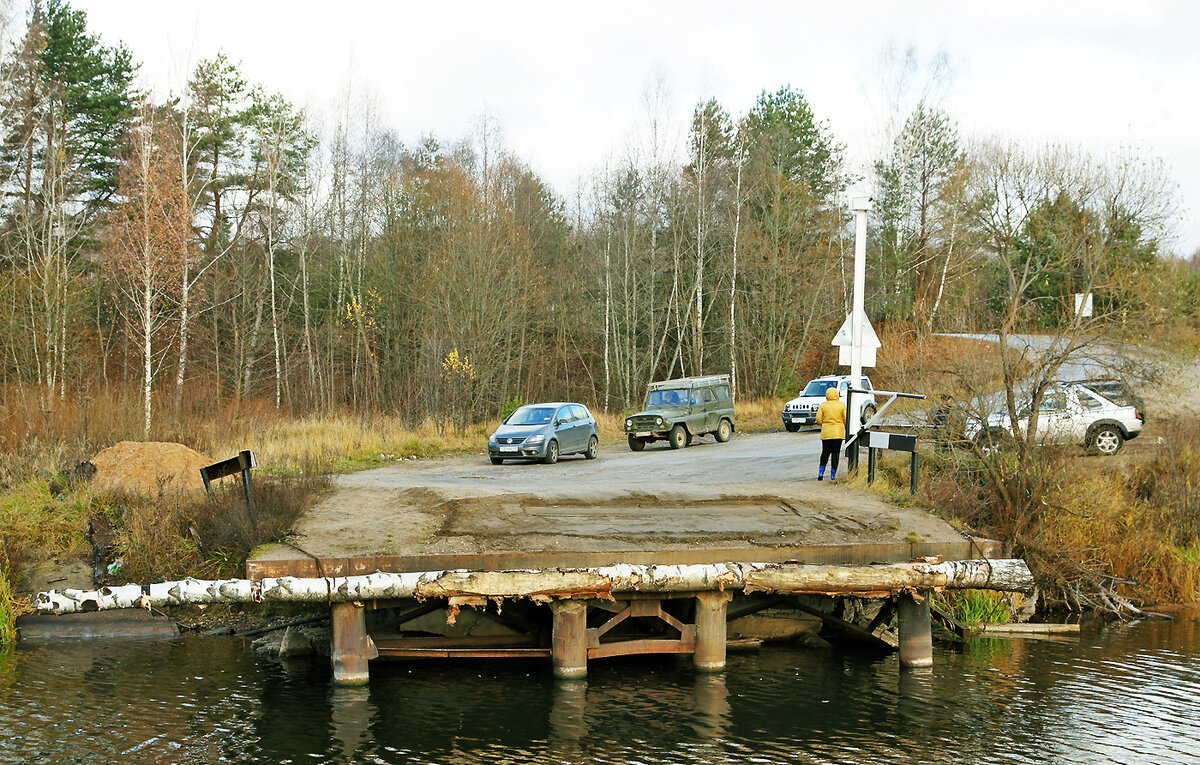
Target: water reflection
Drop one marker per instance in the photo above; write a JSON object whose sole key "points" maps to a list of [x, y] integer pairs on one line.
{"points": [[350, 715], [568, 715], [1122, 694], [711, 704]]}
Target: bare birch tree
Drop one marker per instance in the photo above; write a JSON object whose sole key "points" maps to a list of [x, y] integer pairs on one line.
{"points": [[151, 232]]}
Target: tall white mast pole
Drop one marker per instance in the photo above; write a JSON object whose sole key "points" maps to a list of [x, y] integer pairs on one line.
{"points": [[860, 204]]}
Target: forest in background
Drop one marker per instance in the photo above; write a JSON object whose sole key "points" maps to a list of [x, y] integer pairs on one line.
{"points": [[224, 247], [225, 269]]}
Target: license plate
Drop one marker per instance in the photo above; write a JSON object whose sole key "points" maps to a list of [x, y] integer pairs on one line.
{"points": [[508, 448], [642, 435], [800, 419]]}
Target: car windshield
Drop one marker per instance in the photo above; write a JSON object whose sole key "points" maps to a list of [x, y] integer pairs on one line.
{"points": [[531, 415], [668, 397], [818, 387]]}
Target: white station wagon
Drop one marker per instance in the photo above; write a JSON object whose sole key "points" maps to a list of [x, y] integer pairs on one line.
{"points": [[1070, 413]]}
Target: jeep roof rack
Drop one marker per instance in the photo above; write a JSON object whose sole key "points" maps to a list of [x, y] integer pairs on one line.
{"points": [[681, 381]]}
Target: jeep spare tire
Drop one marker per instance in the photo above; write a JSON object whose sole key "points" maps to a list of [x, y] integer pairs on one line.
{"points": [[867, 413]]}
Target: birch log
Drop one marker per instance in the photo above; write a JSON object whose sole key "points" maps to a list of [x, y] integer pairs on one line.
{"points": [[1006, 575]]}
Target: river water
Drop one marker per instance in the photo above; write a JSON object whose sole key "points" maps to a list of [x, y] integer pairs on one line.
{"points": [[1118, 694]]}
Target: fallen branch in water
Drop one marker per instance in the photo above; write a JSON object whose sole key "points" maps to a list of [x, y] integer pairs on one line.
{"points": [[1008, 575], [283, 626]]}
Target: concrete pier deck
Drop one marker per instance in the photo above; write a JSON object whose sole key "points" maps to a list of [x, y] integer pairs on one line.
{"points": [[752, 499]]}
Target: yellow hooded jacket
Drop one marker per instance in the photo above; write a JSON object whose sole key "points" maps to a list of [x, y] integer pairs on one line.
{"points": [[831, 416]]}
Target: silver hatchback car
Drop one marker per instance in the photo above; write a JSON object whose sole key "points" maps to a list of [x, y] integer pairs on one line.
{"points": [[545, 432]]}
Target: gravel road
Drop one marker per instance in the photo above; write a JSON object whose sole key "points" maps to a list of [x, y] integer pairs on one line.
{"points": [[746, 460]]}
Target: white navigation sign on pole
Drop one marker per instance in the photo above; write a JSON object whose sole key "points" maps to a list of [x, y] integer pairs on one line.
{"points": [[845, 340], [1083, 304], [857, 338]]}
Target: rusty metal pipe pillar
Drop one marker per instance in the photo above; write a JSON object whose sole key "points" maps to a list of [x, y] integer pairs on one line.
{"points": [[711, 611], [352, 647], [916, 630], [569, 641]]}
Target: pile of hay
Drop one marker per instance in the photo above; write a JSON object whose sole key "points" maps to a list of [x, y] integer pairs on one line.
{"points": [[148, 467]]}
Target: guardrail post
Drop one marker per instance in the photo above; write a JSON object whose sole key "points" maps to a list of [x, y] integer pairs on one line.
{"points": [[870, 465], [913, 472]]}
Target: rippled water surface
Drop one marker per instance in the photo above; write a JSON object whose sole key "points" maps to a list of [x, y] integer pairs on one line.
{"points": [[1121, 694]]}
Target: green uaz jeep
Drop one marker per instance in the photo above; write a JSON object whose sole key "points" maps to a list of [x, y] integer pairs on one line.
{"points": [[677, 411]]}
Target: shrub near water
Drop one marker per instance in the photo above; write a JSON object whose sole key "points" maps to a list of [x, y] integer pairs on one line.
{"points": [[195, 535], [1087, 525]]}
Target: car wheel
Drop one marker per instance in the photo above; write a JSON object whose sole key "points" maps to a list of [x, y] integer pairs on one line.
{"points": [[1106, 440], [497, 461], [724, 431], [551, 453], [593, 447], [791, 427], [867, 413], [679, 437], [636, 444]]}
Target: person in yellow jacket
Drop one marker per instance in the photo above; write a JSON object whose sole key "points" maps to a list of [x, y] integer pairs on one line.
{"points": [[831, 416]]}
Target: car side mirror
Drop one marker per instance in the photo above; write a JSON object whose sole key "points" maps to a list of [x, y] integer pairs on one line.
{"points": [[694, 402], [560, 422]]}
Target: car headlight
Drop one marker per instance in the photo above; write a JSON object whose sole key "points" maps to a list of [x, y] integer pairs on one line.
{"points": [[492, 438], [535, 439], [629, 424], [658, 420]]}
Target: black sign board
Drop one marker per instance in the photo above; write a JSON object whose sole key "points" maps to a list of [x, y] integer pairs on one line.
{"points": [[242, 463]]}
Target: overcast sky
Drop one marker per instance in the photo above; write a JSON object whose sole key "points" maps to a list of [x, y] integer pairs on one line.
{"points": [[565, 81]]}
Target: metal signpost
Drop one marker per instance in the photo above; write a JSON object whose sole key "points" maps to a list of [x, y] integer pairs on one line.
{"points": [[242, 463], [856, 340]]}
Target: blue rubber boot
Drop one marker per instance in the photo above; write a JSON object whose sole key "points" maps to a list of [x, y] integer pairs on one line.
{"points": [[833, 476], [821, 473]]}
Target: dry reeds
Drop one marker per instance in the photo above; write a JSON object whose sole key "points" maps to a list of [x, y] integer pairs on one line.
{"points": [[1092, 534], [196, 535]]}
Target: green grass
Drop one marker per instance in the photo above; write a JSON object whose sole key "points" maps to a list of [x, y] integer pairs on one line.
{"points": [[1189, 555], [30, 516], [8, 612], [976, 606]]}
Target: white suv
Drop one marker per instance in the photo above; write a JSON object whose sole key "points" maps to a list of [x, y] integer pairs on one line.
{"points": [[1070, 413], [802, 410]]}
